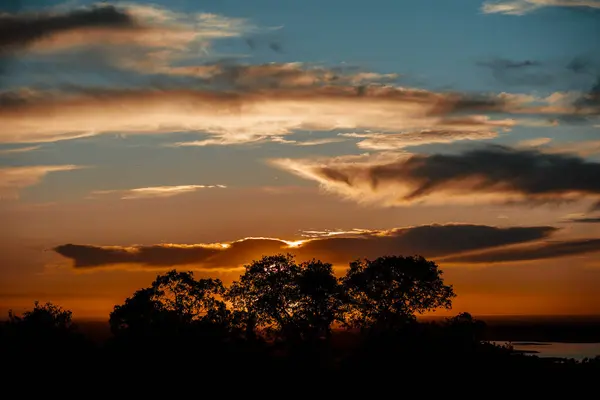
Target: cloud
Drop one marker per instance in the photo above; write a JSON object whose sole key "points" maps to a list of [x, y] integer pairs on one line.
{"points": [[530, 252], [510, 72], [584, 148], [226, 74], [429, 240], [313, 142], [128, 36], [488, 174], [13, 179], [585, 220], [536, 142], [242, 116], [22, 30], [395, 141], [19, 150], [156, 191], [522, 7]]}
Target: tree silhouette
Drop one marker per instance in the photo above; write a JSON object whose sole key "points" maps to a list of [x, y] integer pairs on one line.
{"points": [[386, 293], [291, 301], [46, 329], [173, 304], [320, 299], [43, 318]]}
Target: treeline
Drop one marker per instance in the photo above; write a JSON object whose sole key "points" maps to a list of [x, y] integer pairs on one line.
{"points": [[282, 317]]}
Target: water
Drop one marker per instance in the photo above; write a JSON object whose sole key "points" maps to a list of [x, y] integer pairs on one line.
{"points": [[578, 351]]}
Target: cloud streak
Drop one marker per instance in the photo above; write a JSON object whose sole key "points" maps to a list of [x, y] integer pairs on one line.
{"points": [[536, 251], [243, 116], [429, 240], [489, 174], [130, 37], [156, 191], [395, 141], [584, 220], [522, 7], [14, 179], [22, 30]]}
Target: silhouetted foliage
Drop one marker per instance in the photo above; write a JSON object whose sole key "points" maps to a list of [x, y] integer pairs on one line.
{"points": [[47, 328], [175, 305], [386, 293], [182, 325], [290, 301]]}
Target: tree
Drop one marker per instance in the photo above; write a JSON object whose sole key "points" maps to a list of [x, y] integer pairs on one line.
{"points": [[174, 302], [320, 299], [47, 328], [386, 293], [43, 318], [294, 302]]}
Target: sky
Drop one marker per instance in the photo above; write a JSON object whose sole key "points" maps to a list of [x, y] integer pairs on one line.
{"points": [[139, 137]]}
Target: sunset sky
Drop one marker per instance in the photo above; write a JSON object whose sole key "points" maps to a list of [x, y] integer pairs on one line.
{"points": [[138, 137]]}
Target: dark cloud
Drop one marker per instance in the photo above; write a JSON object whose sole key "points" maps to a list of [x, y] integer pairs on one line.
{"points": [[536, 251], [18, 31], [581, 65], [510, 72], [265, 41], [156, 255], [276, 47], [591, 99], [501, 63], [430, 241], [585, 220], [510, 174]]}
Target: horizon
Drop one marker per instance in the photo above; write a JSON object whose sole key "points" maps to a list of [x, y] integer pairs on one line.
{"points": [[139, 137]]}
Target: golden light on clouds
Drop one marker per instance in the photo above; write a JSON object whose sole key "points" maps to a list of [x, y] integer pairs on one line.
{"points": [[156, 191]]}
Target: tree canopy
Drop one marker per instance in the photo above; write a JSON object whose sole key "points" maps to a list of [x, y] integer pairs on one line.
{"points": [[289, 300], [388, 292], [175, 301]]}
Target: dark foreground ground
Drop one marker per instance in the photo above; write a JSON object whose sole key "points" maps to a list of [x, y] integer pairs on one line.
{"points": [[422, 361], [567, 329]]}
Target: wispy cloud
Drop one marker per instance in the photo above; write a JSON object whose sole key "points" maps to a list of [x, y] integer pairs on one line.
{"points": [[131, 36], [490, 174], [396, 141], [278, 75], [522, 7], [429, 240], [584, 148], [13, 179], [580, 218], [19, 150], [247, 116], [313, 142], [156, 191], [23, 30], [530, 252]]}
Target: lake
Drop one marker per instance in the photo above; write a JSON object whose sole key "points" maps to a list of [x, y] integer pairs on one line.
{"points": [[578, 351]]}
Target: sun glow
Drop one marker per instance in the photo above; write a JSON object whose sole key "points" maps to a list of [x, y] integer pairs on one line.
{"points": [[295, 243]]}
